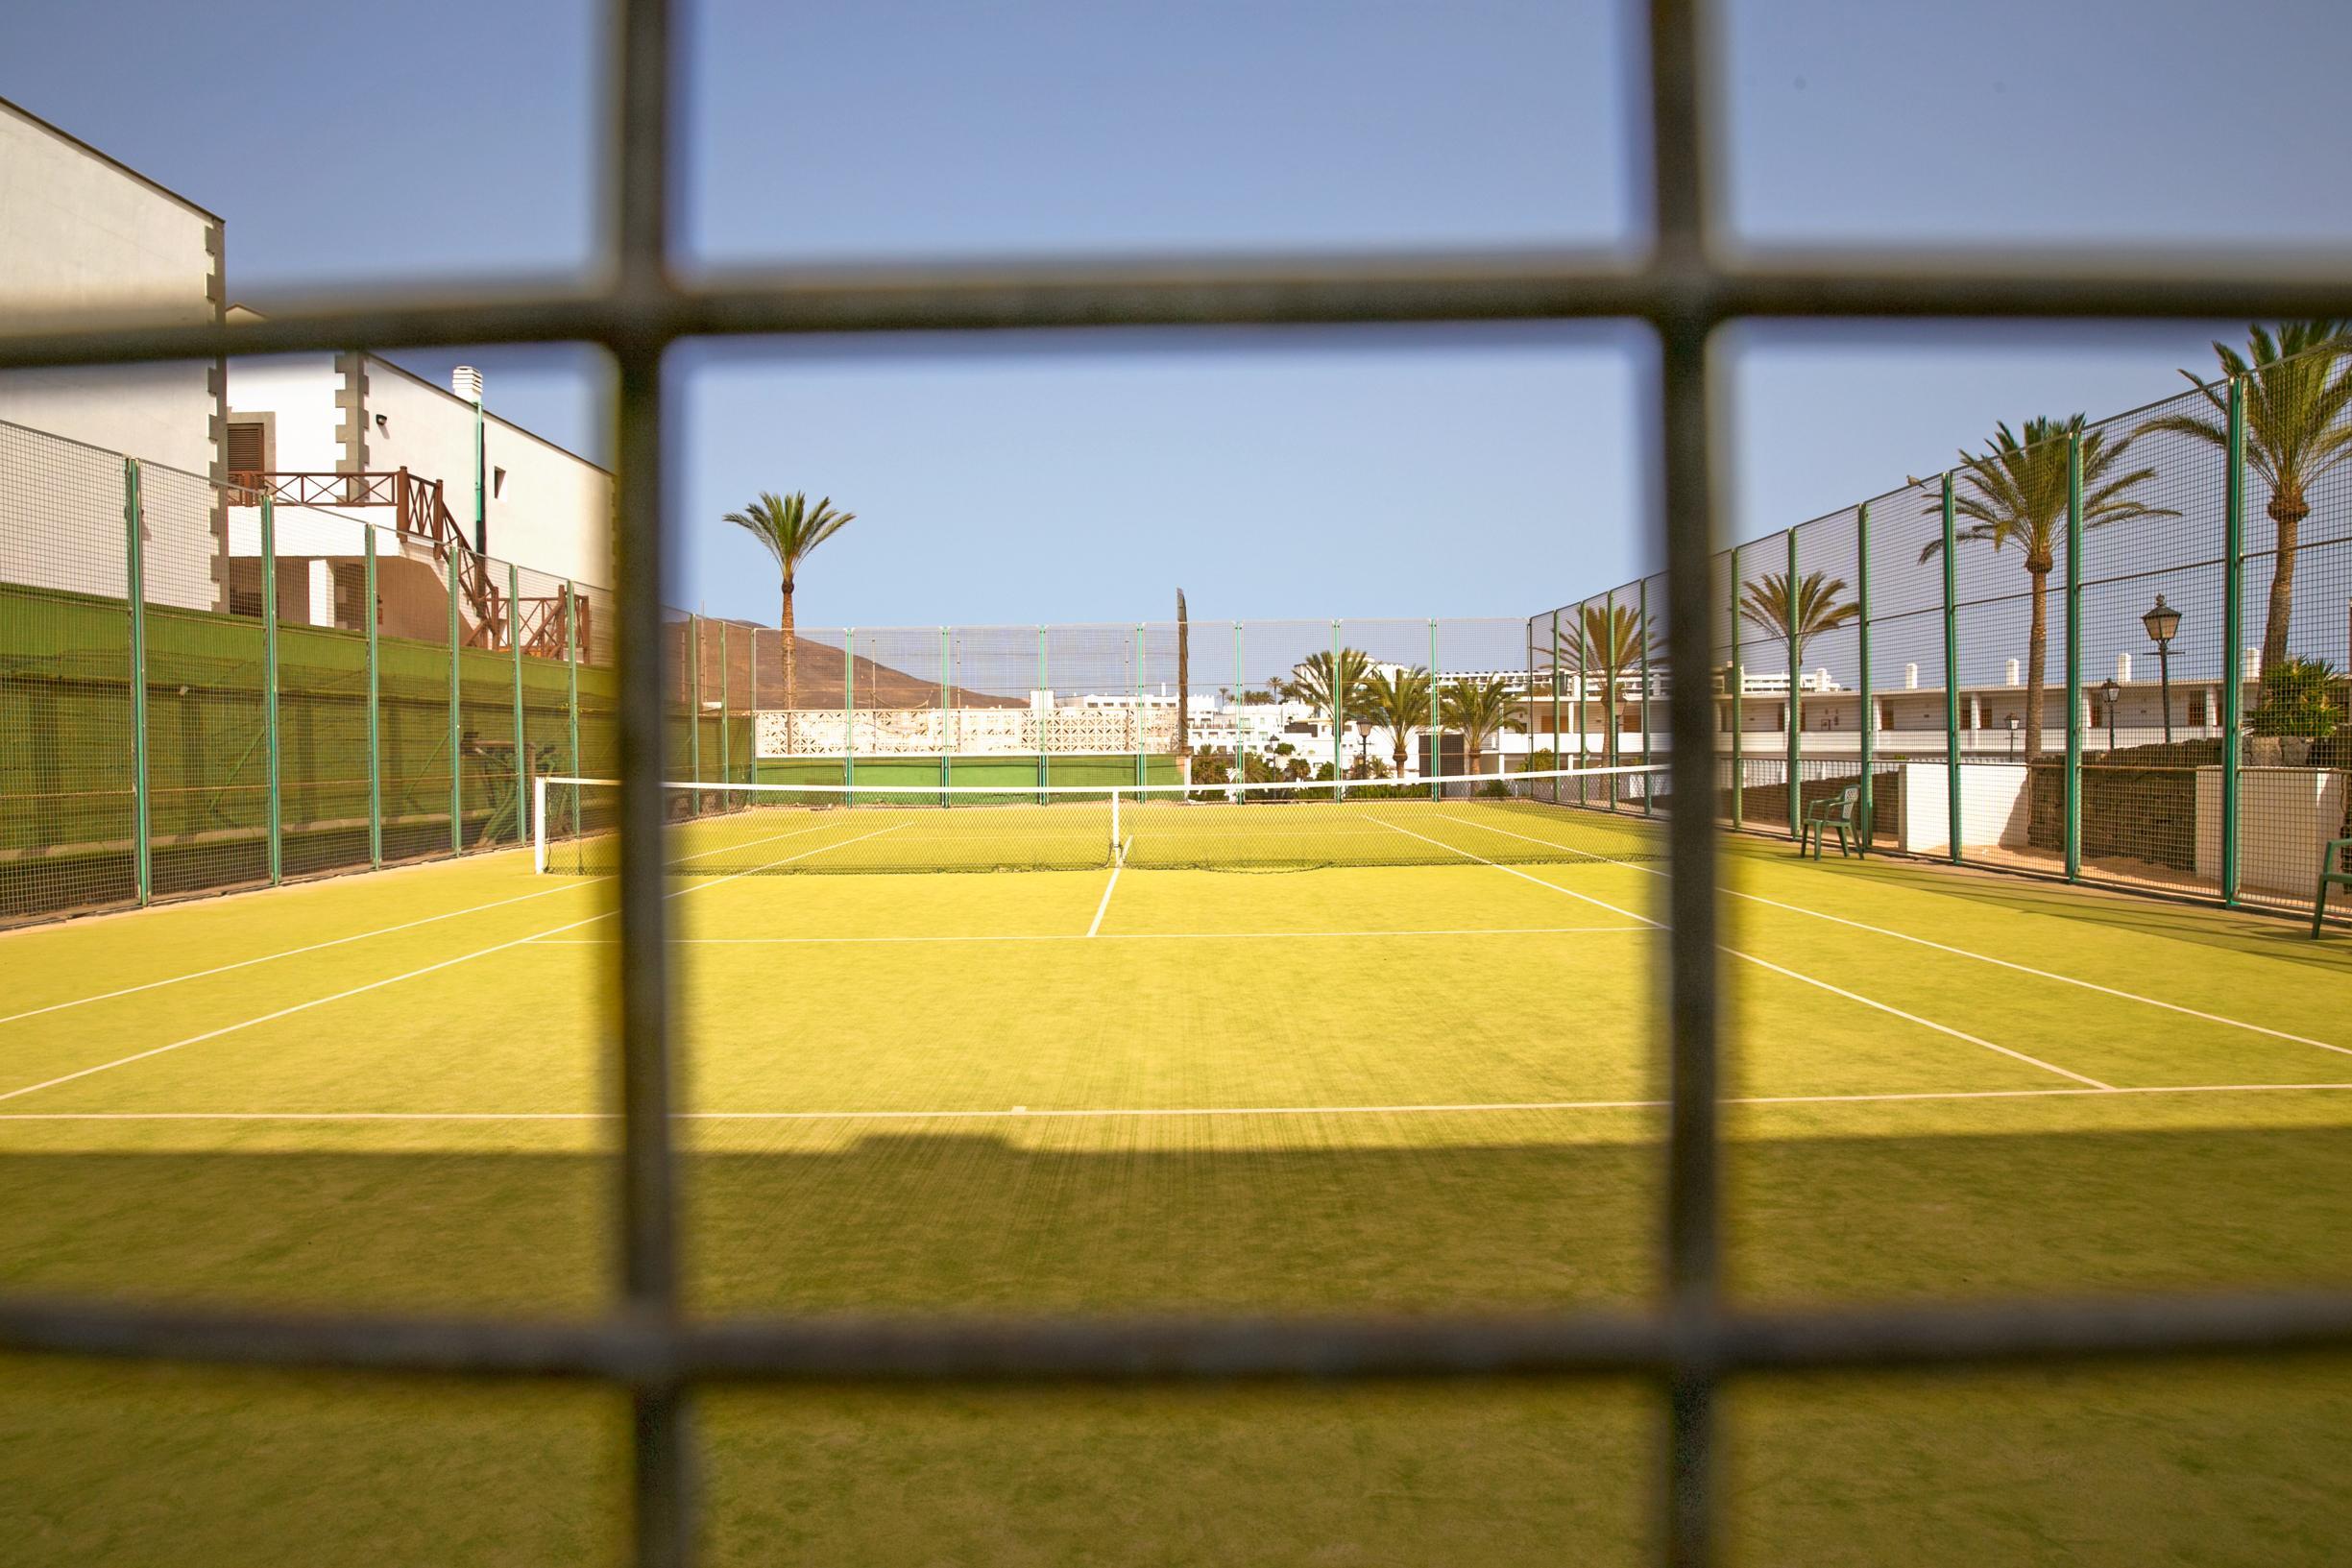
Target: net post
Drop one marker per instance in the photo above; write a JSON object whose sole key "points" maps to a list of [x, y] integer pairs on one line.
{"points": [[1951, 681], [571, 683], [457, 774], [134, 583], [2073, 661], [273, 811], [1436, 735], [1738, 679], [1870, 703], [849, 716], [376, 739], [1114, 827], [524, 770], [1796, 701], [2233, 630], [539, 824], [1643, 602]]}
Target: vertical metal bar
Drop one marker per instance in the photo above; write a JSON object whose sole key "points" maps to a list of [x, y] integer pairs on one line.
{"points": [[726, 726], [376, 739], [1241, 743], [2233, 629], [849, 714], [135, 594], [1951, 679], [693, 703], [1796, 700], [1528, 697], [454, 564], [1610, 656], [571, 676], [272, 809], [1041, 707], [1678, 134], [2074, 659], [1583, 666], [1338, 702], [1436, 735], [1559, 752], [661, 1440], [1643, 602], [1135, 708], [525, 771], [1870, 700], [947, 724], [1738, 682]]}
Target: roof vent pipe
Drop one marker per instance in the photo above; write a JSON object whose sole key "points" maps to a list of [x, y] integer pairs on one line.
{"points": [[467, 383]]}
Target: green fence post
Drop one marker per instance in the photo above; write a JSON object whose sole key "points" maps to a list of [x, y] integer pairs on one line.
{"points": [[525, 771], [1583, 666], [1559, 752], [1136, 712], [1437, 736], [134, 585], [1796, 704], [2233, 629], [1045, 768], [571, 674], [947, 722], [726, 725], [1870, 702], [1642, 603], [458, 773], [1338, 703], [376, 739], [1240, 745], [1738, 682], [693, 703], [2073, 662], [274, 814], [849, 714], [1951, 682]]}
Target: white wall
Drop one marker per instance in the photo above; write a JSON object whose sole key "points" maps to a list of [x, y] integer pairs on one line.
{"points": [[1993, 806], [2285, 815], [298, 393], [78, 234]]}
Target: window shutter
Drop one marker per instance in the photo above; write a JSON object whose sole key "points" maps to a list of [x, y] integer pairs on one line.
{"points": [[246, 453]]}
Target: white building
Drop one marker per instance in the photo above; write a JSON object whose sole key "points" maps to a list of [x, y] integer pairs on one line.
{"points": [[83, 235]]}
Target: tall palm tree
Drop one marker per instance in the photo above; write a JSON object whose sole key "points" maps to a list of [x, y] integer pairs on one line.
{"points": [[1609, 643], [1767, 604], [2017, 494], [2297, 391], [1310, 681], [1397, 701], [791, 528], [1481, 710]]}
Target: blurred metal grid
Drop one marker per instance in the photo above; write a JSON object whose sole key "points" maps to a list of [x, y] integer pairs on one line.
{"points": [[1682, 290]]}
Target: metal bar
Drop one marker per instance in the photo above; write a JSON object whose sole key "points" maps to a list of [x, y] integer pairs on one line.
{"points": [[1614, 651], [1135, 708], [1643, 601], [1583, 666], [2074, 659], [2233, 632], [1338, 703], [376, 739], [135, 596], [1559, 752], [849, 714], [1951, 678], [947, 725], [693, 703], [1870, 700], [452, 565], [1041, 706], [1208, 290], [525, 771], [726, 725], [1796, 700], [1436, 734], [571, 677], [273, 806]]}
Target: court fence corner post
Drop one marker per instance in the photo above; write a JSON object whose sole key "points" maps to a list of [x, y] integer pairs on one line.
{"points": [[1951, 682], [135, 594], [458, 773], [1865, 800], [2233, 633], [1559, 752], [1643, 602], [2074, 659], [273, 807], [572, 679], [1795, 702], [525, 770], [374, 697], [1736, 679]]}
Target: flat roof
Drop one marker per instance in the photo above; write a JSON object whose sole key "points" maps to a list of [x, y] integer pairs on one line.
{"points": [[65, 135]]}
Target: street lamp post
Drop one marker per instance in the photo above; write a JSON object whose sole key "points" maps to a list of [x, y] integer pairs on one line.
{"points": [[2013, 721], [1364, 748], [2163, 623], [2108, 689]]}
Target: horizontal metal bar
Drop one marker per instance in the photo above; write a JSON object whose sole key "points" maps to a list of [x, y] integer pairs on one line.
{"points": [[1324, 290], [629, 1349]]}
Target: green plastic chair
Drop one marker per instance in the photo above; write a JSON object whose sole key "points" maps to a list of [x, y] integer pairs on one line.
{"points": [[1839, 813], [2332, 869]]}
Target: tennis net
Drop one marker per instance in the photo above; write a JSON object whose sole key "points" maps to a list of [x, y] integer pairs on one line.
{"points": [[732, 830]]}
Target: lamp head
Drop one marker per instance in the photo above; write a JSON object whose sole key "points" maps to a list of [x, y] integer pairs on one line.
{"points": [[2162, 622]]}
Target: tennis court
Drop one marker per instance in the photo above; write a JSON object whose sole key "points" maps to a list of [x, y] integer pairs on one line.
{"points": [[1408, 1086]]}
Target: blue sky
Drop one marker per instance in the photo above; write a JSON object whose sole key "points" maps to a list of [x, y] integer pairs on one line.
{"points": [[1408, 471]]}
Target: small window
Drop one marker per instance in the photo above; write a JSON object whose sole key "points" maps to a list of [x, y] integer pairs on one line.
{"points": [[498, 483], [247, 446]]}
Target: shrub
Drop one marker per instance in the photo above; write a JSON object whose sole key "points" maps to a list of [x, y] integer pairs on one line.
{"points": [[2296, 699]]}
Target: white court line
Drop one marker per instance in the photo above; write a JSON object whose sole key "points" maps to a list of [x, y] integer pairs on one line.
{"points": [[395, 979], [356, 937], [1108, 888], [1777, 969], [1465, 1108], [1945, 947], [1068, 936]]}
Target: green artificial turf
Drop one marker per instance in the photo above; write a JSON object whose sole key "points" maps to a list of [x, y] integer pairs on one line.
{"points": [[1431, 1087]]}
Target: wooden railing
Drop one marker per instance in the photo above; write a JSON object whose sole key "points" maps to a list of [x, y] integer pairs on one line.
{"points": [[420, 511]]}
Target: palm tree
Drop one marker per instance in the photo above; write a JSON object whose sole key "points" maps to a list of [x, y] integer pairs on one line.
{"points": [[1765, 603], [2017, 495], [1610, 640], [1310, 682], [2295, 397], [1480, 710], [790, 529], [1397, 701]]}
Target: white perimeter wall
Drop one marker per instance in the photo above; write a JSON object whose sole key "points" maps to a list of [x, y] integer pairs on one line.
{"points": [[80, 235], [1993, 806]]}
